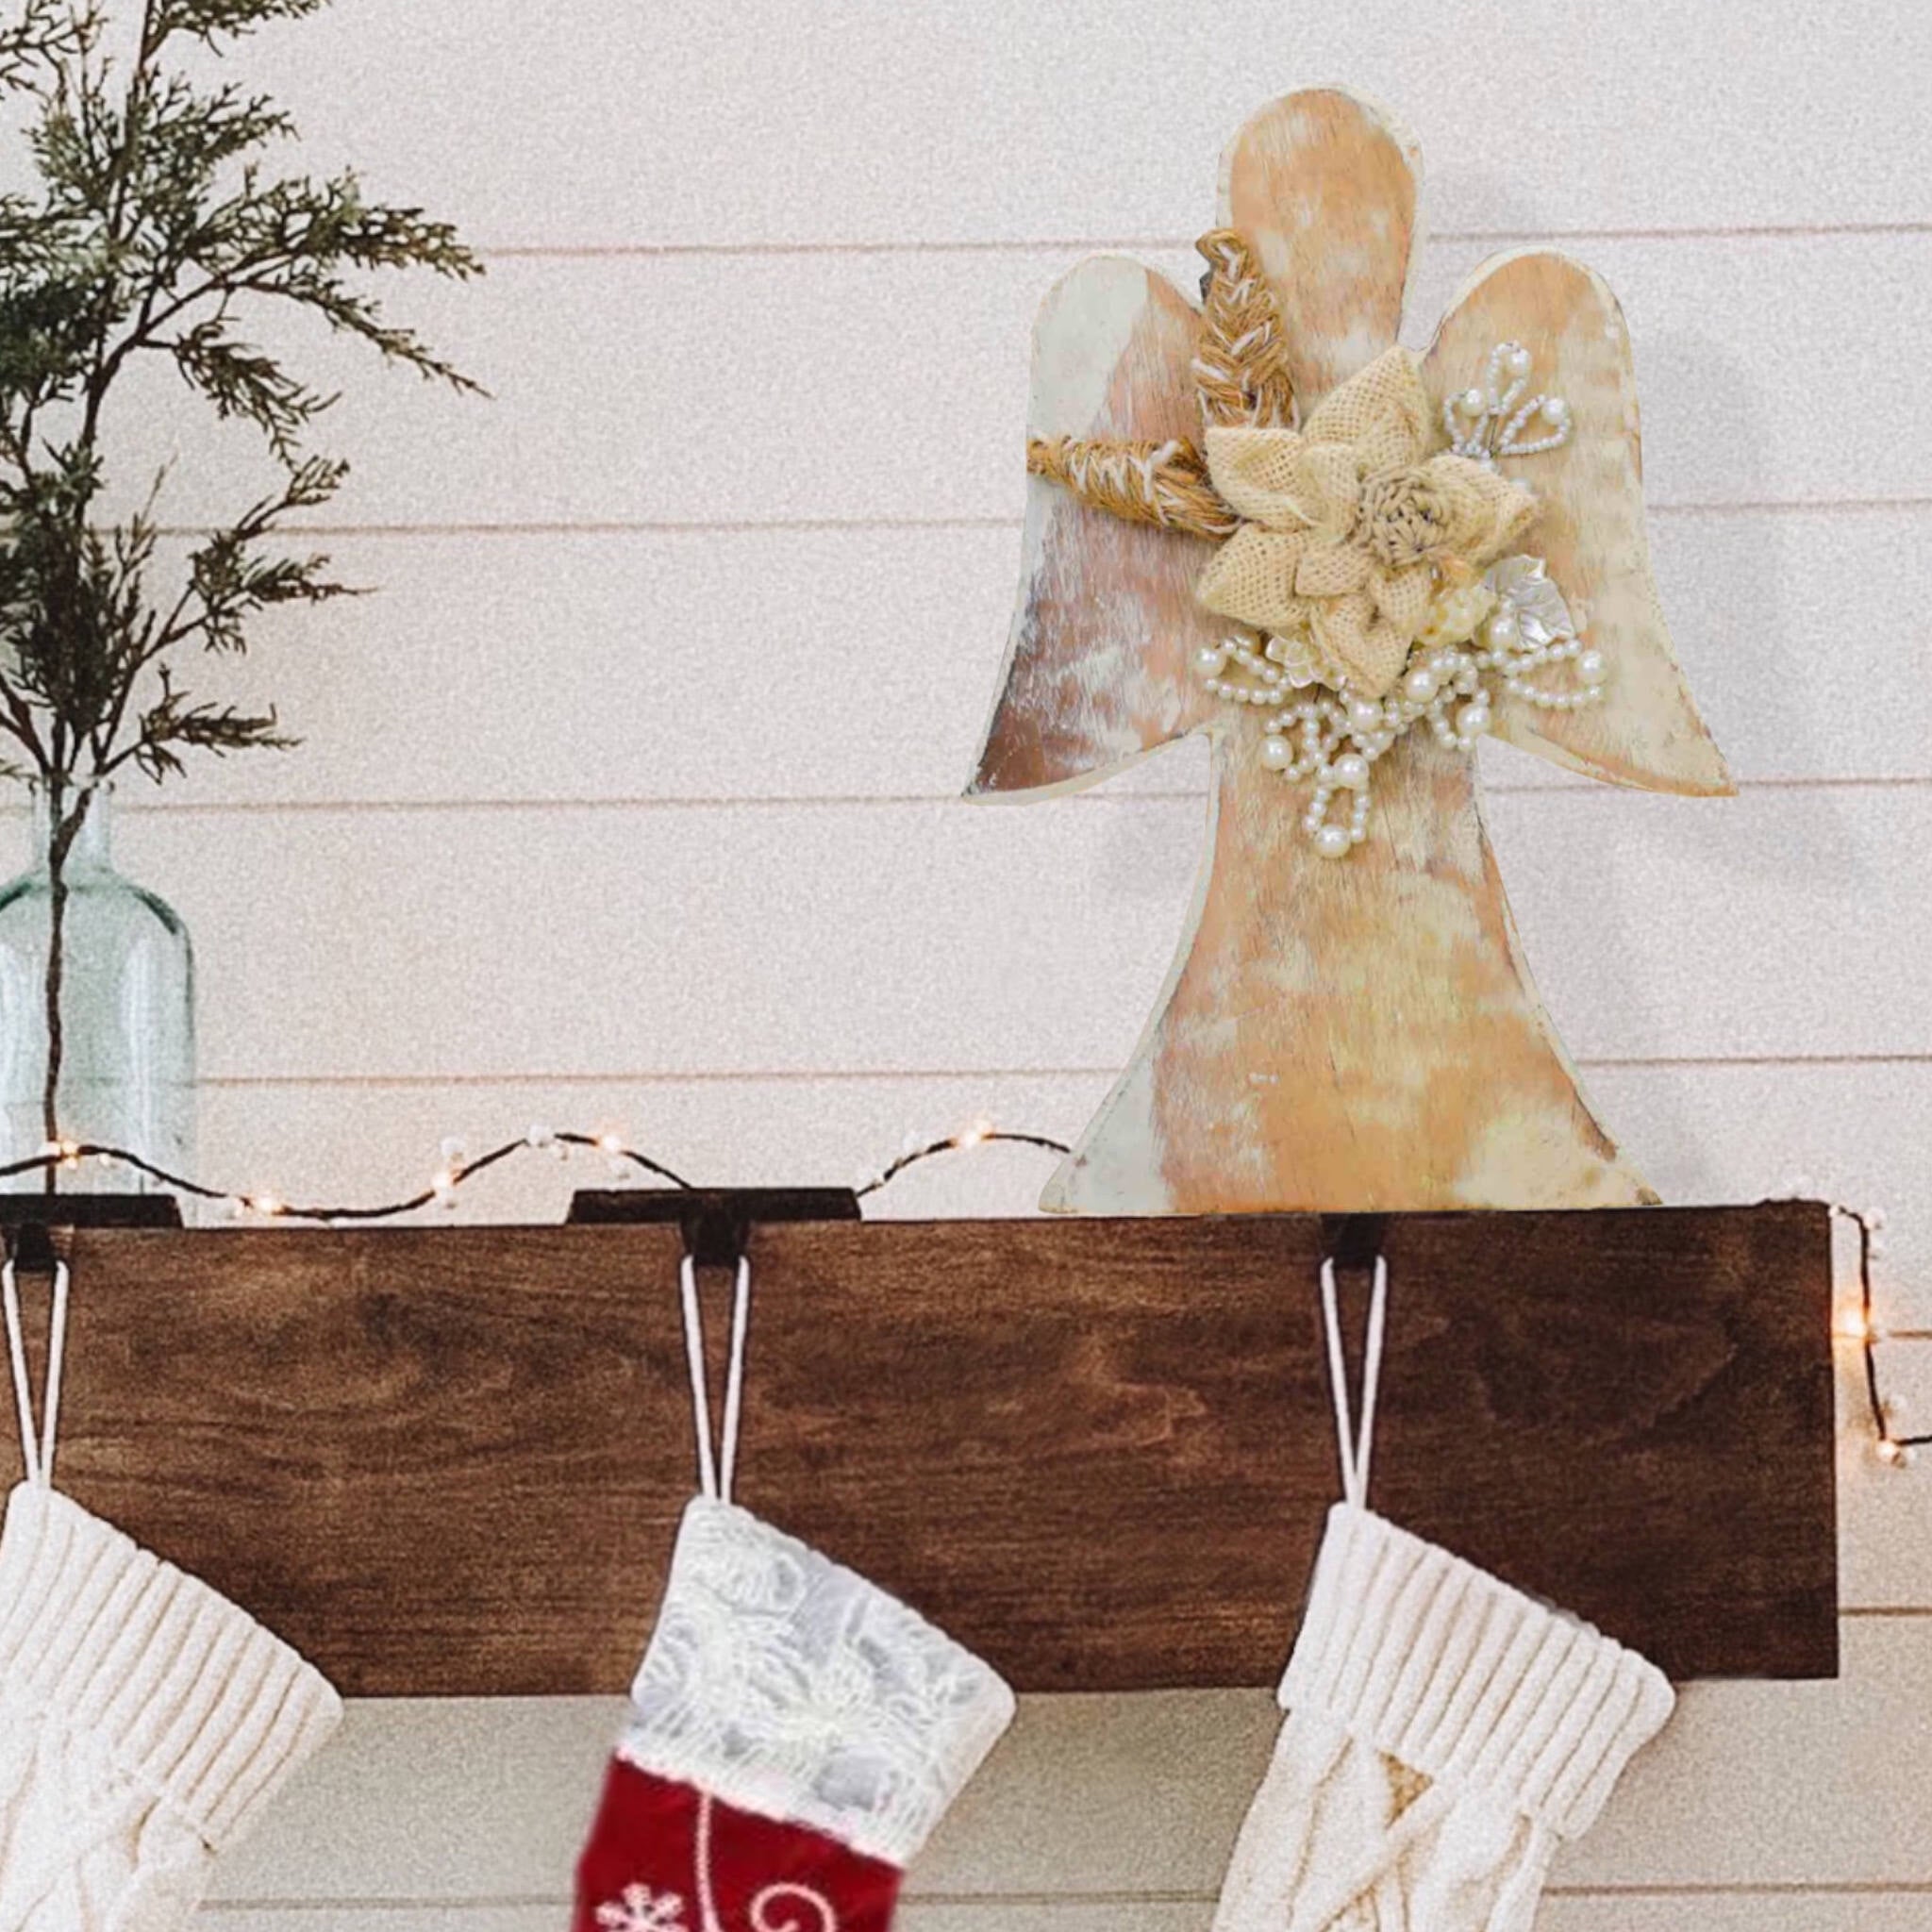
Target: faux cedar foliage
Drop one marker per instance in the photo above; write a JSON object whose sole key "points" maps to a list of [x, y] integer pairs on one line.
{"points": [[158, 227]]}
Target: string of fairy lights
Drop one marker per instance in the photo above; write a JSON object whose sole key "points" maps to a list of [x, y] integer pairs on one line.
{"points": [[1858, 1323], [458, 1168]]}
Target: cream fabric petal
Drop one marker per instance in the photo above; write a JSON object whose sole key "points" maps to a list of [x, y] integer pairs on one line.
{"points": [[1333, 486], [1513, 510], [1385, 651], [1383, 410], [1341, 625], [1403, 596], [1368, 648], [1489, 512], [1252, 579], [1332, 570], [1260, 476]]}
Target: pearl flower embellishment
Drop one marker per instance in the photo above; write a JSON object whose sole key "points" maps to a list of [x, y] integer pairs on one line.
{"points": [[1350, 523], [1368, 555]]}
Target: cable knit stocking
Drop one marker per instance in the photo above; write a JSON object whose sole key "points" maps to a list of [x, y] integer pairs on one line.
{"points": [[1446, 1733], [796, 1733], [145, 1723]]}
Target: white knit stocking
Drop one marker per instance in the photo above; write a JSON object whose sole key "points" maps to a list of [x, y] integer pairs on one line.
{"points": [[1444, 1734], [145, 1722], [1444, 1731]]}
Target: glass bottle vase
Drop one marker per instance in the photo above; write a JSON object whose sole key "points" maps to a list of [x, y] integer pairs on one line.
{"points": [[125, 1002]]}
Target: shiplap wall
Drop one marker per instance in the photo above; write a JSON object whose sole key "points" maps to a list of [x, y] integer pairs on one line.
{"points": [[628, 802]]}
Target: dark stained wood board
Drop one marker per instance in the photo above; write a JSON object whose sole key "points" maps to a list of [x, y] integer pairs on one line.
{"points": [[449, 1462]]}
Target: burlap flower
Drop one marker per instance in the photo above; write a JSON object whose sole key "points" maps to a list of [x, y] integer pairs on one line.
{"points": [[1349, 523]]}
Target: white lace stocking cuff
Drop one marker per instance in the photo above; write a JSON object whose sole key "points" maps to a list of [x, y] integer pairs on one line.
{"points": [[1459, 1676], [181, 1689], [786, 1685]]}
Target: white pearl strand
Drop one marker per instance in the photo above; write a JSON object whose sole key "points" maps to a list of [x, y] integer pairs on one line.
{"points": [[1342, 734], [1491, 422], [1210, 660]]}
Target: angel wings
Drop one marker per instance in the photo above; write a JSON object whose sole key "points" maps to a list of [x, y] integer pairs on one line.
{"points": [[1349, 1023]]}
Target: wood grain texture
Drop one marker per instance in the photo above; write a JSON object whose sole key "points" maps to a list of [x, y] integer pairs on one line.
{"points": [[1325, 186], [1590, 529], [1361, 1034], [450, 1462], [1096, 669]]}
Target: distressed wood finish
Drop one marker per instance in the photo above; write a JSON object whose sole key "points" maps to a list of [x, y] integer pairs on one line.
{"points": [[450, 1461], [1591, 532], [1325, 187], [1358, 1034], [1096, 669], [1361, 1034]]}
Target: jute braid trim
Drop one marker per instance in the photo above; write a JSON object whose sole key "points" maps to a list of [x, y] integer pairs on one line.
{"points": [[1164, 483], [1239, 354]]}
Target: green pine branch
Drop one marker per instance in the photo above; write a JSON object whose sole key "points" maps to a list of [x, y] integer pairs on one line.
{"points": [[158, 226]]}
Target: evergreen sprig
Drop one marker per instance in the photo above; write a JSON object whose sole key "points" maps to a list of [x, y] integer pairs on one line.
{"points": [[157, 227]]}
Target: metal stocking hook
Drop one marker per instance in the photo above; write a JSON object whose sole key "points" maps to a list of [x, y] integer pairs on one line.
{"points": [[37, 1452], [1356, 1244], [716, 1465]]}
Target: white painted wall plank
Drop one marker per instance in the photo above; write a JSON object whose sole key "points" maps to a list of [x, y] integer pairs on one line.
{"points": [[1699, 1133], [1834, 1122], [1805, 1910], [888, 937], [737, 982], [961, 122], [544, 1915], [1107, 1795], [588, 666], [858, 387]]}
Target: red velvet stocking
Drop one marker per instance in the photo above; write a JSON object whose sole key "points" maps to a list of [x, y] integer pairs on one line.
{"points": [[795, 1733], [665, 1856]]}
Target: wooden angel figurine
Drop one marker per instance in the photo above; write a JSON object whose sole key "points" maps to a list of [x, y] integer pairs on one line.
{"points": [[1347, 564]]}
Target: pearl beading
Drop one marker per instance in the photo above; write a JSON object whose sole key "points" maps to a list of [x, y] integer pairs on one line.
{"points": [[1331, 740], [1491, 420]]}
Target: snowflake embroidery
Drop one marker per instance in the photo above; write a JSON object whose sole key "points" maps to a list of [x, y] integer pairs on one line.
{"points": [[642, 1910]]}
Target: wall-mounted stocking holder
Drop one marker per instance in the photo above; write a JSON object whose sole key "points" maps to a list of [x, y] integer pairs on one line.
{"points": [[449, 1461]]}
